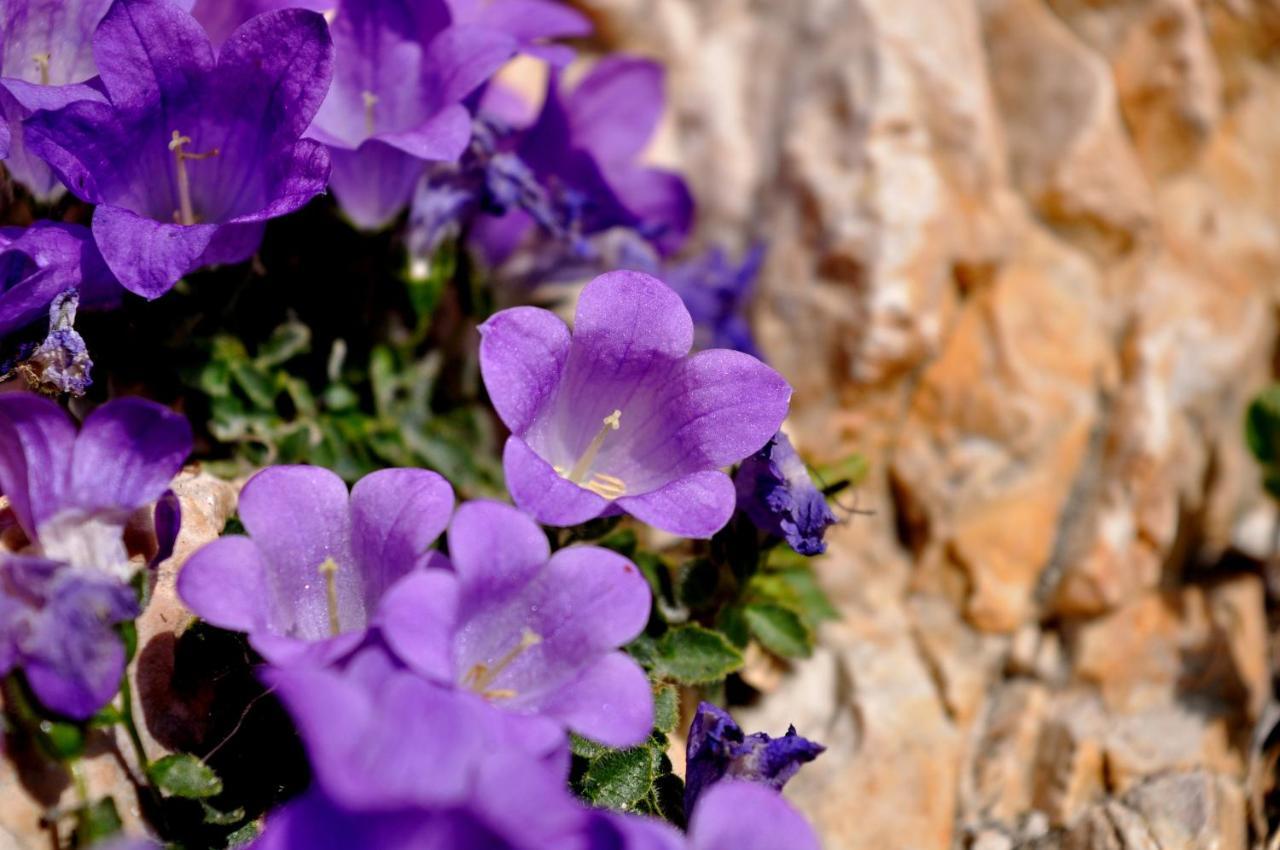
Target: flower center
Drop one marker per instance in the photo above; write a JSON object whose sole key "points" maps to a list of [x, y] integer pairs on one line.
{"points": [[42, 63], [185, 214], [481, 675], [600, 483], [329, 569], [370, 101]]}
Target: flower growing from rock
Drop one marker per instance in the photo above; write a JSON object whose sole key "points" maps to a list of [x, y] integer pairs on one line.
{"points": [[190, 155], [718, 749], [46, 62], [402, 72], [72, 495], [616, 416], [777, 494], [40, 262], [308, 580]]}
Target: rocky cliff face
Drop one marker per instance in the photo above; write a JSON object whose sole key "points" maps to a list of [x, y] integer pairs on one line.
{"points": [[1024, 255]]}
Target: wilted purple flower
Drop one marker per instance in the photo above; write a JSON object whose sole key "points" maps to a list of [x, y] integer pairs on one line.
{"points": [[40, 262], [533, 23], [402, 72], [220, 18], [777, 494], [60, 363], [584, 148], [72, 494], [718, 749], [535, 634], [310, 578], [732, 816], [616, 416], [45, 63], [402, 763], [190, 156]]}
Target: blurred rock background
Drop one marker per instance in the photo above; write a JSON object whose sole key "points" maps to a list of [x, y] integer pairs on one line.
{"points": [[1024, 255]]}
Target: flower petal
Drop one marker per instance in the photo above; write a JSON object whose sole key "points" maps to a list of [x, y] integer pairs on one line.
{"points": [[461, 58], [696, 505], [148, 256], [36, 440], [373, 183], [616, 107], [495, 549], [396, 514], [417, 618], [298, 516], [150, 51], [745, 816], [661, 199], [522, 353], [127, 453], [542, 492], [79, 142], [442, 138], [610, 702], [228, 583]]}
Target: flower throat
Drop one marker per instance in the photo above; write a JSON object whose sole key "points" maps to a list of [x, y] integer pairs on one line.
{"points": [[600, 483]]}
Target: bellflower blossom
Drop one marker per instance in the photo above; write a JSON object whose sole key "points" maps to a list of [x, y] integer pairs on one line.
{"points": [[733, 815], [717, 292], [46, 62], [718, 749], [402, 763], [616, 416], [72, 495], [403, 69], [777, 494], [220, 18], [532, 23], [40, 262], [310, 578], [192, 154], [584, 147], [534, 633]]}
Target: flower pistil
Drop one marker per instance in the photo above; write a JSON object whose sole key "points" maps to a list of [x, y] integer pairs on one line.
{"points": [[481, 675], [185, 214]]}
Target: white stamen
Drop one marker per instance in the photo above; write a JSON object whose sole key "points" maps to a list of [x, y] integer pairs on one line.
{"points": [[329, 569], [612, 422], [185, 214], [370, 101], [481, 675], [42, 61]]}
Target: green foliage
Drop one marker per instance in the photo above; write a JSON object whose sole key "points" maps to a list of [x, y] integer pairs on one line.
{"points": [[184, 775], [638, 779], [1262, 435], [693, 655], [95, 822]]}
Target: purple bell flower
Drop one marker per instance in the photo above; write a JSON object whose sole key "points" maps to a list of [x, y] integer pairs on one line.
{"points": [[72, 495], [403, 69], [191, 154], [584, 148], [46, 62], [717, 292], [718, 749], [40, 262], [532, 23], [220, 18], [777, 494], [310, 578], [616, 416]]}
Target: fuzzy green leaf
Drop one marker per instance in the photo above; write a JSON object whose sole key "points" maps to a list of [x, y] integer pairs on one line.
{"points": [[779, 630], [184, 775], [692, 655], [620, 778]]}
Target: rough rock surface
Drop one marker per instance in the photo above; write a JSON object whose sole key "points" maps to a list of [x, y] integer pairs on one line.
{"points": [[1023, 255]]}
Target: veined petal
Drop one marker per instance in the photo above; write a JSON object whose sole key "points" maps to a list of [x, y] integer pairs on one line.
{"points": [[149, 52], [522, 353], [442, 138], [373, 183], [396, 514], [228, 583], [541, 491], [461, 58], [495, 550], [745, 816], [616, 107], [417, 617], [611, 701], [148, 256], [696, 505], [126, 454], [36, 440]]}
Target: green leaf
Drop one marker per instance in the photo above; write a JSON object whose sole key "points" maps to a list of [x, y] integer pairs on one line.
{"points": [[243, 835], [692, 655], [184, 775], [619, 778], [585, 747], [256, 384], [96, 821], [666, 708], [697, 584], [644, 650], [622, 541], [221, 818], [286, 342], [1262, 426], [733, 624], [813, 601], [779, 630]]}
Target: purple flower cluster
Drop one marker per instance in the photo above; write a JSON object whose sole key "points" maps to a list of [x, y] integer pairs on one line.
{"points": [[72, 495]]}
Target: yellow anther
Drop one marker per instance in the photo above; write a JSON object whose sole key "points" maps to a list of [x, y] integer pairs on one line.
{"points": [[370, 101], [481, 675], [42, 61], [329, 569], [185, 214]]}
